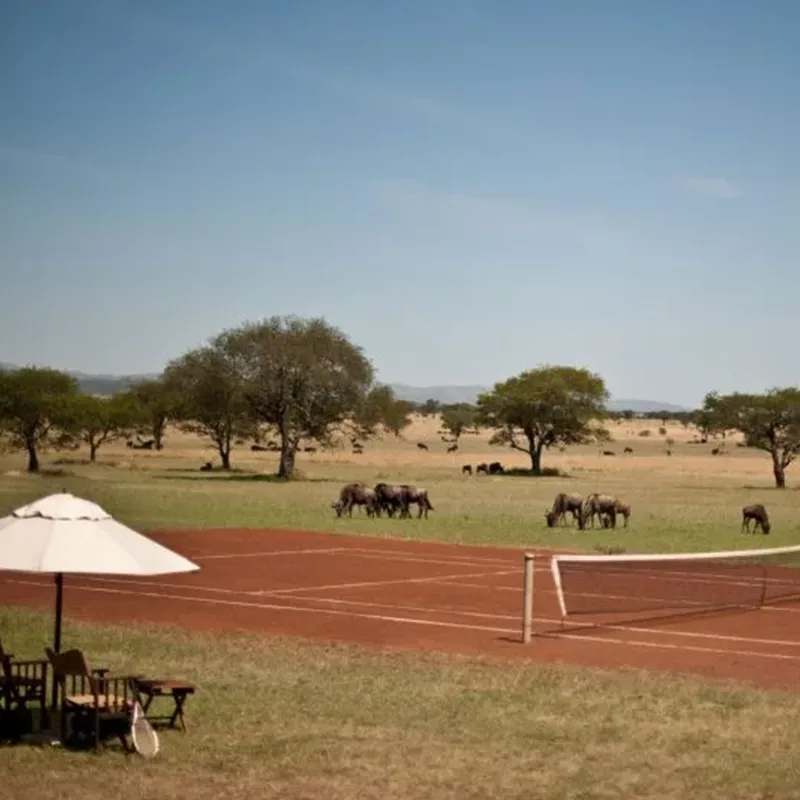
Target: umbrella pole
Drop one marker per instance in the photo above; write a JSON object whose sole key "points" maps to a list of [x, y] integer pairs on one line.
{"points": [[57, 636]]}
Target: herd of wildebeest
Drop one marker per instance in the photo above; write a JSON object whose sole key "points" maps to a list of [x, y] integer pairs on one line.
{"points": [[397, 499]]}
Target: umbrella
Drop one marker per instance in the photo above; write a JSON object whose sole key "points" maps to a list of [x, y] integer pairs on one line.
{"points": [[62, 534]]}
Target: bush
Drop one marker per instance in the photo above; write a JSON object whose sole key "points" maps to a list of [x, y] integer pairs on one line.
{"points": [[645, 432], [662, 431]]}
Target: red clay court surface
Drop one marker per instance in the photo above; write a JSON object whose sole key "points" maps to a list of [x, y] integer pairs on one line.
{"points": [[414, 595]]}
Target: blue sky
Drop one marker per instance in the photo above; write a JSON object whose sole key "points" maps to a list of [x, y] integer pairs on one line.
{"points": [[468, 188]]}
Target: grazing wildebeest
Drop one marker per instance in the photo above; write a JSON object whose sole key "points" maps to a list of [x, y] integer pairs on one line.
{"points": [[757, 514], [624, 509], [257, 448], [599, 504], [422, 446], [609, 453], [418, 495], [356, 494], [563, 504], [490, 469], [390, 498], [452, 448], [207, 467], [466, 469], [628, 450]]}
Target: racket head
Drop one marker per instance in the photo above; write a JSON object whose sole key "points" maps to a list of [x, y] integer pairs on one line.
{"points": [[145, 738]]}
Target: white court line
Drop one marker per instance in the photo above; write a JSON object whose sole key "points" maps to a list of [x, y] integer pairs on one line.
{"points": [[428, 623], [263, 553]]}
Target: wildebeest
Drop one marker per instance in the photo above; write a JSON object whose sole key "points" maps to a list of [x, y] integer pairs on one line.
{"points": [[490, 469], [599, 504], [562, 505], [356, 494], [609, 453], [422, 446], [757, 514], [624, 509], [418, 495], [207, 467], [452, 448], [466, 469], [390, 498], [628, 450]]}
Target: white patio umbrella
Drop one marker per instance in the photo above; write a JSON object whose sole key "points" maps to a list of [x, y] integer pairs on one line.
{"points": [[62, 534]]}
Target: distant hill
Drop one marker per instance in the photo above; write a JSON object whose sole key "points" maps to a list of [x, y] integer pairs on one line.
{"points": [[469, 394], [111, 384]]}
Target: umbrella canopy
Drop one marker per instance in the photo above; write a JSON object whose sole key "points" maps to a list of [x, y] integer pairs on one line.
{"points": [[61, 534]]}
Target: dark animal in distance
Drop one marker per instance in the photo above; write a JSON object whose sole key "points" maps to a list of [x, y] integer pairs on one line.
{"points": [[490, 469], [758, 515], [207, 467], [628, 450], [609, 453], [466, 469], [562, 505], [452, 448], [422, 446]]}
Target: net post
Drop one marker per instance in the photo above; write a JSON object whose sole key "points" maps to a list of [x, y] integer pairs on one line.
{"points": [[527, 599]]}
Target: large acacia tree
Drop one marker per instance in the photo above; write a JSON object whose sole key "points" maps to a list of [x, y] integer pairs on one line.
{"points": [[210, 383], [543, 407], [303, 377], [769, 422], [35, 404], [96, 421]]}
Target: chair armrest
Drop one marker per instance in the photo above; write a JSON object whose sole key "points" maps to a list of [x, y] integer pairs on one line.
{"points": [[31, 662]]}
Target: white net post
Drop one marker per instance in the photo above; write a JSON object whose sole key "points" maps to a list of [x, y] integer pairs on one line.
{"points": [[527, 599]]}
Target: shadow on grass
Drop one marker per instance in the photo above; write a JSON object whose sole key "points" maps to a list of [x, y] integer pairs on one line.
{"points": [[242, 477], [519, 472]]}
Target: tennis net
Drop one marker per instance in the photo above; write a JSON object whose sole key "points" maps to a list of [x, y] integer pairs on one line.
{"points": [[675, 583]]}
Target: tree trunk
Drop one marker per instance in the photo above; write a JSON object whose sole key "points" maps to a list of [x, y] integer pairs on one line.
{"points": [[778, 471], [33, 456], [536, 459], [93, 451], [225, 456], [286, 466]]}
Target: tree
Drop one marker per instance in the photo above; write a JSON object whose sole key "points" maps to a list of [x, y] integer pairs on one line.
{"points": [[546, 406], [381, 409], [99, 420], [34, 403], [210, 384], [304, 377], [769, 421], [158, 403], [457, 419], [430, 407]]}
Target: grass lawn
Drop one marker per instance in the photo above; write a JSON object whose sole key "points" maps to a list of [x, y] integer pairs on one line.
{"points": [[282, 718], [277, 718]]}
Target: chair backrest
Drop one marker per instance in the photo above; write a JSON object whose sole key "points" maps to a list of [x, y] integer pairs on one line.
{"points": [[72, 664]]}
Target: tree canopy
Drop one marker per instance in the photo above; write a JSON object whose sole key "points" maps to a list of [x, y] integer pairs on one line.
{"points": [[209, 383], [96, 421], [304, 377], [768, 421], [543, 407], [34, 406]]}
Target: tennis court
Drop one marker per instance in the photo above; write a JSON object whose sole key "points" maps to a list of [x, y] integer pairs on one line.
{"points": [[466, 599]]}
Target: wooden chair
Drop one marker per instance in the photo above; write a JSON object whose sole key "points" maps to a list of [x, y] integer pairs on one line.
{"points": [[95, 705], [22, 685]]}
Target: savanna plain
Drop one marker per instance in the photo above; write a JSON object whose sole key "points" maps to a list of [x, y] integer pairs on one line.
{"points": [[284, 717]]}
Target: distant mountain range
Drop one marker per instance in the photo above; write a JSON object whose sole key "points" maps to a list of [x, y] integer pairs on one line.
{"points": [[110, 384]]}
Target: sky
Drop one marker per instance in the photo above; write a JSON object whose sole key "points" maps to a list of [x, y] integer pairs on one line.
{"points": [[467, 188]]}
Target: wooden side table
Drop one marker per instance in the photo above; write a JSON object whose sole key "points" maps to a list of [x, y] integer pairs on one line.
{"points": [[147, 689]]}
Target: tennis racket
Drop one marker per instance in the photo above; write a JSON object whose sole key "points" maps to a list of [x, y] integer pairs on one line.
{"points": [[145, 739]]}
